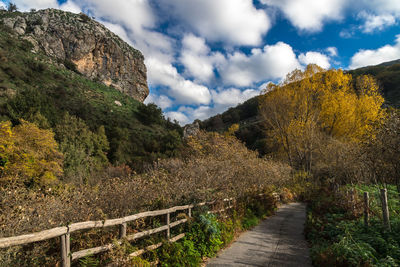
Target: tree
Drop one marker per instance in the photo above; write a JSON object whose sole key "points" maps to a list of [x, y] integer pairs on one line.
{"points": [[28, 154], [85, 151], [312, 106], [12, 7], [150, 114], [383, 151]]}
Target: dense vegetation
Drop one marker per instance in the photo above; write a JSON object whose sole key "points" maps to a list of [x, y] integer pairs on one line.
{"points": [[94, 125], [213, 167], [339, 237]]}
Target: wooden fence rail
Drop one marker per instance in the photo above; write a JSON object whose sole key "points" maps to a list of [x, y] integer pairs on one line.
{"points": [[64, 232]]}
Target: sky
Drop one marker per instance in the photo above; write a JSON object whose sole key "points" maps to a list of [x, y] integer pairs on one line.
{"points": [[204, 56]]}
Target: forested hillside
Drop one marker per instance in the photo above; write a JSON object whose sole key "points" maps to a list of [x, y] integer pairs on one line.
{"points": [[93, 124]]}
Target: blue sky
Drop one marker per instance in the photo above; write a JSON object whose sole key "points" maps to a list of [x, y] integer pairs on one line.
{"points": [[204, 56]]}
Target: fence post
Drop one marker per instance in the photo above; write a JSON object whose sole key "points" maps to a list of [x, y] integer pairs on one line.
{"points": [[352, 198], [122, 230], [190, 212], [169, 227], [385, 208], [65, 250], [366, 209]]}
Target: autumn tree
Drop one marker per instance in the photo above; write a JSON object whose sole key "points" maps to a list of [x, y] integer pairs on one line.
{"points": [[28, 155], [311, 107]]}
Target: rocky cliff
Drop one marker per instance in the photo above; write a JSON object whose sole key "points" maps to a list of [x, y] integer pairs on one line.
{"points": [[97, 53]]}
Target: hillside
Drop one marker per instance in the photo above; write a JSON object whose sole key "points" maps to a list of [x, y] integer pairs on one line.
{"points": [[388, 74], [252, 130], [55, 95]]}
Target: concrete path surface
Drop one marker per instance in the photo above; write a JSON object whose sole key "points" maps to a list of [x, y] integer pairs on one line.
{"points": [[277, 241]]}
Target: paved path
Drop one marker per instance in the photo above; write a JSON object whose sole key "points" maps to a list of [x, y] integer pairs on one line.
{"points": [[277, 241]]}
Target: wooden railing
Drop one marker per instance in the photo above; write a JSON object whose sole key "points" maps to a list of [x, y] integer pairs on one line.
{"points": [[64, 232]]}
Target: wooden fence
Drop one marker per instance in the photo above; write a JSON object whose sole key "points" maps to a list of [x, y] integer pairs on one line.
{"points": [[364, 204], [64, 232]]}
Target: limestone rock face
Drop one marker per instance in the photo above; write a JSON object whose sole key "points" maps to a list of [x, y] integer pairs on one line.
{"points": [[97, 53]]}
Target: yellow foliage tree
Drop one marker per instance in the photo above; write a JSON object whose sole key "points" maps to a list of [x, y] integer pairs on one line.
{"points": [[28, 154], [314, 104], [232, 130]]}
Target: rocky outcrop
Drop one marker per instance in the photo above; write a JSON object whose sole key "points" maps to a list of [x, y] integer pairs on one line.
{"points": [[191, 129], [97, 52]]}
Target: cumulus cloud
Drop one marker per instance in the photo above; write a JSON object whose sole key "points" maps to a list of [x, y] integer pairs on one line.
{"points": [[160, 100], [221, 100], [25, 5], [232, 96], [135, 14], [381, 6], [309, 15], [184, 91], [376, 22], [315, 58], [71, 7], [235, 22], [332, 51], [271, 62], [178, 116], [197, 58], [372, 57]]}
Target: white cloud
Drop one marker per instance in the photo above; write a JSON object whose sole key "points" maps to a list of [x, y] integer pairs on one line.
{"points": [[372, 57], [315, 58], [179, 116], [134, 14], [375, 22], [221, 101], [26, 5], [160, 100], [309, 15], [271, 62], [332, 51], [2, 5], [197, 58], [232, 96], [235, 22], [184, 91], [382, 6], [71, 7]]}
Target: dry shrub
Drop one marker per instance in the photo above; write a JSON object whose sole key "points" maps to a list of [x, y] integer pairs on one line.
{"points": [[213, 167], [286, 195]]}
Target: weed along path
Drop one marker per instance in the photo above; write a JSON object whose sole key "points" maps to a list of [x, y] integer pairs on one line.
{"points": [[277, 241]]}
